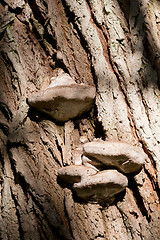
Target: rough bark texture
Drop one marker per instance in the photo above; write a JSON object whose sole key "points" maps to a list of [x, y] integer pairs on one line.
{"points": [[113, 45]]}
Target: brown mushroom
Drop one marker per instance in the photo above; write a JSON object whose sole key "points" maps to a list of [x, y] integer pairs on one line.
{"points": [[120, 155], [100, 186], [63, 99], [74, 173]]}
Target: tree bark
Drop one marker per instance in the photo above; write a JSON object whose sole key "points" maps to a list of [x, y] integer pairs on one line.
{"points": [[113, 45]]}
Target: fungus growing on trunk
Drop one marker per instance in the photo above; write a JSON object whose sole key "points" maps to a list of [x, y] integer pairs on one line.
{"points": [[100, 186], [75, 173], [63, 99], [94, 185], [120, 155]]}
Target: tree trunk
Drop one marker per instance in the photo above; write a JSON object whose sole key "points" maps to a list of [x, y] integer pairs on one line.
{"points": [[113, 45]]}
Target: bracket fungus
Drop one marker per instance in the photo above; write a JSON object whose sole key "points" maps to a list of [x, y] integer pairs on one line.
{"points": [[75, 173], [123, 156], [92, 184], [63, 99], [103, 185]]}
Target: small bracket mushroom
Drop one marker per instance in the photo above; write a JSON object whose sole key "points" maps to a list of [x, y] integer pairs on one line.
{"points": [[94, 185], [100, 186], [75, 173], [63, 99]]}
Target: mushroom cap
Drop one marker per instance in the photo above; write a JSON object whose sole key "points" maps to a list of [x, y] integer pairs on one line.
{"points": [[63, 99], [103, 185], [74, 173], [123, 156]]}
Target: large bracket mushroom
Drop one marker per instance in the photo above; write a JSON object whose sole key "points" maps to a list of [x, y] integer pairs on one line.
{"points": [[63, 99], [119, 157]]}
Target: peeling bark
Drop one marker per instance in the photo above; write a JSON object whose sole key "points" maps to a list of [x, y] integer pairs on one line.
{"points": [[113, 45]]}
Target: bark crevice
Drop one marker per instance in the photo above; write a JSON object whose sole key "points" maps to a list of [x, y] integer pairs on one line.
{"points": [[18, 214], [139, 200]]}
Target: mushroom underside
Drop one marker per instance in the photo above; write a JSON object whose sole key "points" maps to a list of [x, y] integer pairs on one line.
{"points": [[62, 103]]}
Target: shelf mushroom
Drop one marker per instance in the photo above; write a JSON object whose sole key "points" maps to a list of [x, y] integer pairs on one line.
{"points": [[92, 184], [63, 99], [75, 173], [103, 185], [120, 155]]}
